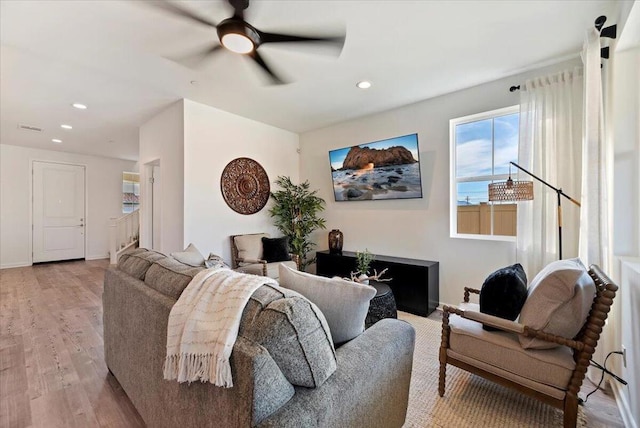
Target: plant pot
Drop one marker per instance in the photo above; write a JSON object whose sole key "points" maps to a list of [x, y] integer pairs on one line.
{"points": [[362, 279]]}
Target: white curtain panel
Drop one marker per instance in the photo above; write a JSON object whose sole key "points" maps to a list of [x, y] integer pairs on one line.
{"points": [[551, 148], [594, 247], [594, 218]]}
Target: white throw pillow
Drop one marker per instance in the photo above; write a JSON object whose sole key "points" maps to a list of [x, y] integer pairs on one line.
{"points": [[344, 303], [190, 256], [250, 246], [558, 302]]}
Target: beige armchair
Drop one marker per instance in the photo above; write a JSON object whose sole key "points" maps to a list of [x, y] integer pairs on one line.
{"points": [[247, 256], [553, 376]]}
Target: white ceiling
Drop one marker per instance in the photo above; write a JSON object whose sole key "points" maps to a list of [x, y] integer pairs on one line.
{"points": [[112, 56]]}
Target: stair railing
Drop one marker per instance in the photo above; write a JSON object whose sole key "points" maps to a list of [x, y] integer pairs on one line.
{"points": [[124, 233]]}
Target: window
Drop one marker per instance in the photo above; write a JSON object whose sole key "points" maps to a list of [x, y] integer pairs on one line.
{"points": [[130, 192], [482, 145]]}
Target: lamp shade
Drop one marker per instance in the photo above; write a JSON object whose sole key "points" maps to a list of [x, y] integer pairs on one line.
{"points": [[511, 190]]}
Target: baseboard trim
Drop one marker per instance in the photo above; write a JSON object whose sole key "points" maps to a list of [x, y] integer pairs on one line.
{"points": [[15, 265], [97, 257], [623, 405]]}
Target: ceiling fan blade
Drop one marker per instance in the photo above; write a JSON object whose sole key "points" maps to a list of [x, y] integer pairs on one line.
{"points": [[178, 11], [194, 59], [258, 59], [285, 38]]}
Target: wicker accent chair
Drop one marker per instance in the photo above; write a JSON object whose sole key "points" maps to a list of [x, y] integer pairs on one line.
{"points": [[246, 256], [582, 347]]}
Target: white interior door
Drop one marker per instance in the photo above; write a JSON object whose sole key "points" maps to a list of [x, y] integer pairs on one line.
{"points": [[58, 212]]}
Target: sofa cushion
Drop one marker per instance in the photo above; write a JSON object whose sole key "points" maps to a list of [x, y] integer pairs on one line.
{"points": [[275, 249], [190, 256], [295, 333], [503, 293], [558, 302], [250, 246], [170, 277], [552, 367], [344, 303], [137, 262]]}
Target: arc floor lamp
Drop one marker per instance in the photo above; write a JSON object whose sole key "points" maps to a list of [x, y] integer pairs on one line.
{"points": [[515, 191]]}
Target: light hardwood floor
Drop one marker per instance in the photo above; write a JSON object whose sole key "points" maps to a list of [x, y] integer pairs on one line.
{"points": [[52, 365], [52, 370]]}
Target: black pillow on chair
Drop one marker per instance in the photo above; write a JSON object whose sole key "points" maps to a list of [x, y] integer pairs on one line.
{"points": [[503, 293], [275, 249]]}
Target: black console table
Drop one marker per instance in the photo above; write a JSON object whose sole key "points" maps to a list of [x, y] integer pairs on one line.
{"points": [[414, 282]]}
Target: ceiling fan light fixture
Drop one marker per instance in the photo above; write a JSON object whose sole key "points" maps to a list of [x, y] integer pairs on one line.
{"points": [[238, 36], [363, 84], [238, 43], [79, 106]]}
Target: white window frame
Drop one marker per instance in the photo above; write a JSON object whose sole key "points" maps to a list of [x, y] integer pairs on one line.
{"points": [[453, 211]]}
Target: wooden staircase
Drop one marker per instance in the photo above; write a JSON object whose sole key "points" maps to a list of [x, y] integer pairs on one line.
{"points": [[124, 233]]}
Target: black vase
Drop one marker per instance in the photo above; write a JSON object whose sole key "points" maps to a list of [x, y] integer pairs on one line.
{"points": [[335, 241]]}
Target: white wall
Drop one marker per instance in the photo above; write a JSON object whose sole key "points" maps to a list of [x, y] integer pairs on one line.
{"points": [[626, 217], [212, 139], [417, 228], [104, 200], [162, 140], [626, 139]]}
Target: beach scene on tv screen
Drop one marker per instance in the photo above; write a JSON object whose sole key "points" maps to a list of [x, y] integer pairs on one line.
{"points": [[386, 169]]}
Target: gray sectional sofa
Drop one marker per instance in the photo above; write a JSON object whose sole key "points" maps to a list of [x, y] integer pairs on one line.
{"points": [[286, 371]]}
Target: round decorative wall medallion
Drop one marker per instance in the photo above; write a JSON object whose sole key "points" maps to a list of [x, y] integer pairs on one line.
{"points": [[245, 186]]}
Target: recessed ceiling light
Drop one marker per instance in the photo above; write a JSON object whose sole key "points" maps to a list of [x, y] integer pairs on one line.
{"points": [[364, 84], [66, 126], [55, 140], [79, 106]]}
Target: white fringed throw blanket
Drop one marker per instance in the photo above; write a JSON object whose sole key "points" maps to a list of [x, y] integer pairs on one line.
{"points": [[203, 325]]}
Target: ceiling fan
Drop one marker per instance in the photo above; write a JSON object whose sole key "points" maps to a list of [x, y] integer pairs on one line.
{"points": [[238, 36]]}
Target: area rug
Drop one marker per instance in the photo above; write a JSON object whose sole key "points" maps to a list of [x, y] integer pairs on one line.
{"points": [[469, 400]]}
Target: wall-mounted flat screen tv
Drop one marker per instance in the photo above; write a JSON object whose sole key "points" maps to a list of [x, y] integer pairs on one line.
{"points": [[385, 169]]}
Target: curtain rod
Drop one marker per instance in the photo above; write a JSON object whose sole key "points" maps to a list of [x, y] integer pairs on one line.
{"points": [[609, 32]]}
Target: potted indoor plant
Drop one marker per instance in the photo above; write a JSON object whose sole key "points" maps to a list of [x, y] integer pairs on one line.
{"points": [[363, 262], [295, 210]]}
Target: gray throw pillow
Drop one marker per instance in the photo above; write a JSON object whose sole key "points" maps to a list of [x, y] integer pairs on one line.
{"points": [[214, 262], [190, 256], [344, 303], [558, 302]]}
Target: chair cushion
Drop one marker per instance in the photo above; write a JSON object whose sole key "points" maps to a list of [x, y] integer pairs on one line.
{"points": [[250, 246], [190, 256], [275, 249], [137, 262], [503, 293], [343, 303], [295, 333], [170, 277], [273, 269], [558, 302], [552, 367]]}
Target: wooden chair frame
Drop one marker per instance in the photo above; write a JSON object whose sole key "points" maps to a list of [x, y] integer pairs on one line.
{"points": [[236, 260], [583, 345]]}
